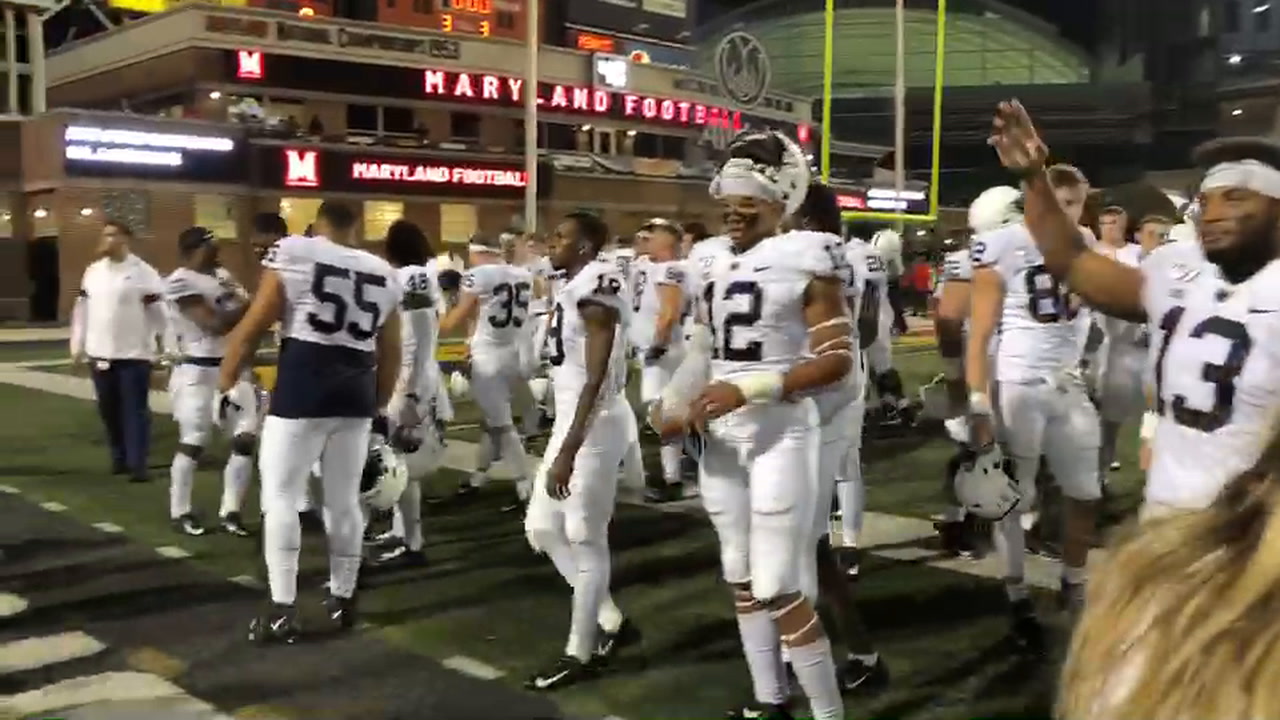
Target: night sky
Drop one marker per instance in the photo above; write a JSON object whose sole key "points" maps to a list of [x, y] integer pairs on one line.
{"points": [[1074, 18]]}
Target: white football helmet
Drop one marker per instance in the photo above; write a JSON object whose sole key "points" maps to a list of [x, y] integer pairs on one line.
{"points": [[459, 386], [994, 208], [232, 406], [764, 162], [384, 478], [984, 488]]}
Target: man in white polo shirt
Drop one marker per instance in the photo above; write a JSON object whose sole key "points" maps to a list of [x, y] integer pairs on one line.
{"points": [[114, 327]]}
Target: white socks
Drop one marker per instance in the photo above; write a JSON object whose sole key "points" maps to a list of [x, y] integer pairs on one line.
{"points": [[235, 483], [182, 477], [281, 540], [852, 495], [670, 455], [407, 522], [762, 649], [816, 670]]}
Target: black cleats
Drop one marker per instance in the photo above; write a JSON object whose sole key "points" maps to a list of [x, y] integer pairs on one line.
{"points": [[859, 678], [564, 672], [850, 559], [189, 524], [1026, 631], [278, 625], [609, 643], [233, 524], [341, 611], [397, 554]]}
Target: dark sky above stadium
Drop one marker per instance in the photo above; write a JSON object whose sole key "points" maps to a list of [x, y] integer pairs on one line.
{"points": [[1074, 18]]}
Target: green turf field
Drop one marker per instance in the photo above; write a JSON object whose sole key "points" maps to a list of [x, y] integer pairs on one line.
{"points": [[488, 597]]}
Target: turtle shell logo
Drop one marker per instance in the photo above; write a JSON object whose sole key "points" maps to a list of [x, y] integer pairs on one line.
{"points": [[742, 67]]}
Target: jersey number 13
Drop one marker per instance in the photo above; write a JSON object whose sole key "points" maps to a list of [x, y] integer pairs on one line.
{"points": [[1221, 376]]}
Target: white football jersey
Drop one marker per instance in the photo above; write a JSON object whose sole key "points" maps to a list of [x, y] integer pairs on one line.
{"points": [[1039, 335], [566, 340], [646, 302], [337, 299], [334, 295], [956, 266], [220, 291], [542, 272], [420, 307], [1215, 354], [1124, 337], [504, 292], [755, 301], [621, 257], [853, 274], [702, 258]]}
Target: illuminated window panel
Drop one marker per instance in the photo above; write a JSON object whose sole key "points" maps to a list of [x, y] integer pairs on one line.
{"points": [[378, 216]]}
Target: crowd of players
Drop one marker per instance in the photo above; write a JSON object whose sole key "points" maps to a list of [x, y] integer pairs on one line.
{"points": [[756, 349]]}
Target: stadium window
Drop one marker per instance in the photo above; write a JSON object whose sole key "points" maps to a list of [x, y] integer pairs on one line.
{"points": [[378, 216], [397, 121], [362, 118], [218, 214], [506, 20], [423, 7], [464, 126], [1230, 16]]}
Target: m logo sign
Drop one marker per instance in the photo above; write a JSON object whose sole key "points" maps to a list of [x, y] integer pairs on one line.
{"points": [[249, 64], [301, 169]]}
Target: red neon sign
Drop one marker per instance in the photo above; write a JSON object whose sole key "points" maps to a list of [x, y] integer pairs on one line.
{"points": [[436, 174], [484, 87], [851, 202], [301, 168], [249, 64]]}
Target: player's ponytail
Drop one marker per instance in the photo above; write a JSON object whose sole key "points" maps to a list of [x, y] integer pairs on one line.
{"points": [[1182, 619]]}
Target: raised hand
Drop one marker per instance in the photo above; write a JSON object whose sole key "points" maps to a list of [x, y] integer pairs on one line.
{"points": [[1015, 139]]}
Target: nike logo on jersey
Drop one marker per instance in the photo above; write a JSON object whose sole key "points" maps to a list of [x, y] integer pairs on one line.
{"points": [[1262, 311], [761, 268]]}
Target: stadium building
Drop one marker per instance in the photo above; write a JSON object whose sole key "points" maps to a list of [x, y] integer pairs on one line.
{"points": [[207, 115], [1093, 112]]}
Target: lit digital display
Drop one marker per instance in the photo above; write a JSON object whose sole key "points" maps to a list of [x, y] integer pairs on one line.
{"points": [[436, 174], [249, 64], [137, 147], [329, 170]]}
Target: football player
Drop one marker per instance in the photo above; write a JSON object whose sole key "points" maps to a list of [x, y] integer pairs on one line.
{"points": [[993, 209], [1044, 405], [658, 304], [1122, 356], [411, 413], [1214, 309], [875, 343], [779, 330], [494, 302], [573, 499], [206, 302], [840, 412], [339, 362]]}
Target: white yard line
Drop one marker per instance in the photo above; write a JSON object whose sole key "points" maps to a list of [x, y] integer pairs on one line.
{"points": [[883, 534], [36, 652], [471, 666]]}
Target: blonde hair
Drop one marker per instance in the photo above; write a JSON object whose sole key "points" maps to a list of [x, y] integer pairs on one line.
{"points": [[1182, 619]]}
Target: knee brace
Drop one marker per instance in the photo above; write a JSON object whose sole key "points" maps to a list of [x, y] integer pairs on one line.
{"points": [[244, 444]]}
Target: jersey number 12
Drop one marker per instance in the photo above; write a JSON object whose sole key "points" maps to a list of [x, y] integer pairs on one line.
{"points": [[723, 346]]}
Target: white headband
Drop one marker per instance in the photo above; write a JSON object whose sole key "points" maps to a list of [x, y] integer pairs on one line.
{"points": [[1248, 174], [482, 248], [740, 176]]}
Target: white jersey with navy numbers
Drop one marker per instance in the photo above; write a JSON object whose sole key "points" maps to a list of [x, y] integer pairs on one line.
{"points": [[1215, 353], [755, 301], [336, 301], [875, 286], [1124, 338], [504, 292], [420, 313], [1039, 335], [852, 269], [219, 291], [566, 341], [957, 266], [701, 260], [646, 302]]}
